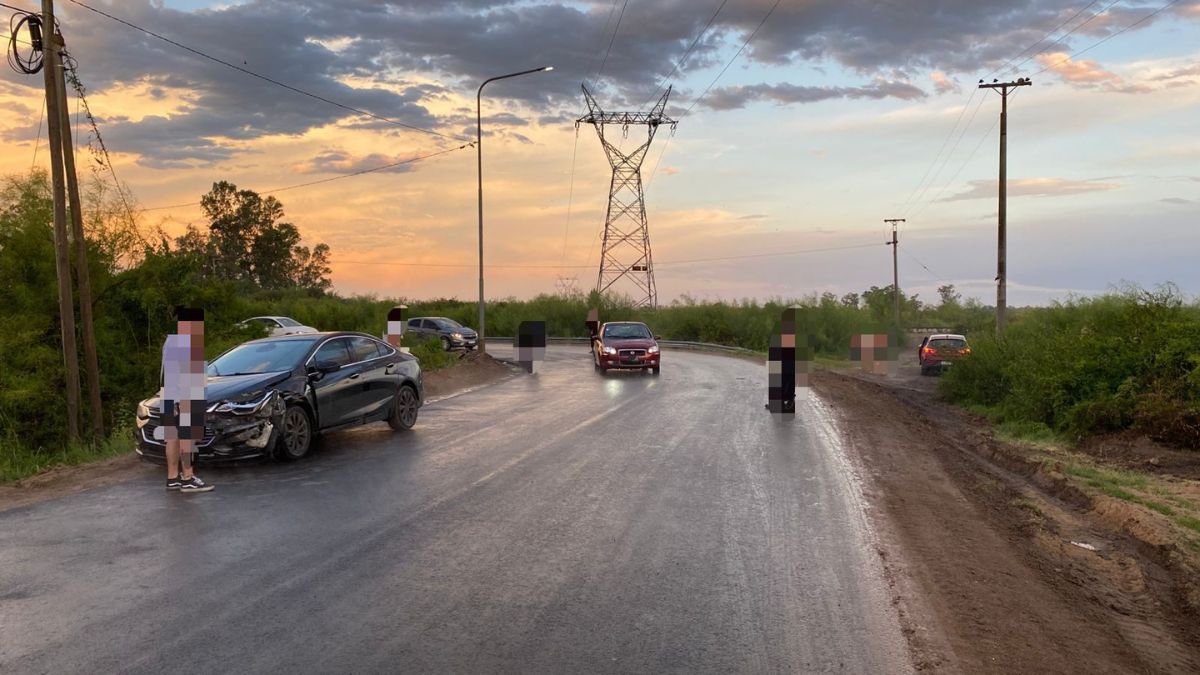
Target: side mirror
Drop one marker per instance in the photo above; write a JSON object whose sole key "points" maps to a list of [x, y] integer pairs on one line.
{"points": [[322, 368], [657, 338]]}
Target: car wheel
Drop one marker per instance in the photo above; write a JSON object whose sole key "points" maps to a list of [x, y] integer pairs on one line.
{"points": [[445, 343], [654, 370], [404, 409], [296, 436]]}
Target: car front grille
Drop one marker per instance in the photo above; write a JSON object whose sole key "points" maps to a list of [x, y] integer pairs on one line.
{"points": [[630, 353], [152, 424]]}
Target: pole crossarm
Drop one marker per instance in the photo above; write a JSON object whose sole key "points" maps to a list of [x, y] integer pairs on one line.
{"points": [[625, 253]]}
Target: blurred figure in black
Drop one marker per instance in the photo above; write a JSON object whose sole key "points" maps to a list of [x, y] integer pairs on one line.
{"points": [[781, 367], [531, 344]]}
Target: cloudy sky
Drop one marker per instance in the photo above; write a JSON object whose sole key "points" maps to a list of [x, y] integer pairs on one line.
{"points": [[787, 157]]}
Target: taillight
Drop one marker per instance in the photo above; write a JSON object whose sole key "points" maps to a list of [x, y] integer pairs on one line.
{"points": [[966, 350], [927, 350]]}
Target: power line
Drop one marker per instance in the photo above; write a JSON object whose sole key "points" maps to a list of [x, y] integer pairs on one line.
{"points": [[961, 166], [38, 139], [570, 196], [1066, 35], [264, 78], [939, 154], [935, 275], [1106, 39], [735, 56], [686, 53], [669, 262], [329, 180], [920, 206], [1043, 39], [616, 30], [719, 75]]}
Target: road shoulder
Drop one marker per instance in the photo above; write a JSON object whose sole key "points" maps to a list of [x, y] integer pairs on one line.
{"points": [[993, 569]]}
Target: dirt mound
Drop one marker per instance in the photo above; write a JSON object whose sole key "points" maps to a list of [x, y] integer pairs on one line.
{"points": [[1137, 452], [471, 370]]}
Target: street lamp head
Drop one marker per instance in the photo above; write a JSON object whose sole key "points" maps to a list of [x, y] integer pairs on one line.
{"points": [[547, 69]]}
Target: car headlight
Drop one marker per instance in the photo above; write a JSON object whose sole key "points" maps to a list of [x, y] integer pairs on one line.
{"points": [[456, 336], [250, 407], [610, 350], [652, 350], [143, 410]]}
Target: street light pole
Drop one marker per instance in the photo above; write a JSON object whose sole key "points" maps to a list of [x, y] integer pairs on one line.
{"points": [[479, 162]]}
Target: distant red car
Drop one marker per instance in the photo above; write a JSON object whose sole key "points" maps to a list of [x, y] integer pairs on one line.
{"points": [[938, 352], [625, 345]]}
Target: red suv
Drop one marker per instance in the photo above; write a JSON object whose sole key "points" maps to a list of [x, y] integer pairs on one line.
{"points": [[938, 352], [626, 345]]}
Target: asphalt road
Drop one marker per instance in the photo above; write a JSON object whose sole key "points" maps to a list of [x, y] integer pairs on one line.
{"points": [[562, 522]]}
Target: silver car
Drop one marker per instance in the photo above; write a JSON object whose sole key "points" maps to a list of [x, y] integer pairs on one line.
{"points": [[452, 334], [275, 326]]}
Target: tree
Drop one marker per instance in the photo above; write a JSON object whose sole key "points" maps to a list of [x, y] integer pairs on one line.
{"points": [[247, 242], [950, 297]]}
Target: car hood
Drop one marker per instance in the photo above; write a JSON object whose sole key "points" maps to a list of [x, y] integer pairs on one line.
{"points": [[629, 343], [233, 387]]}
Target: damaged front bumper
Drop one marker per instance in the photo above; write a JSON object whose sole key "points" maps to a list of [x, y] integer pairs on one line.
{"points": [[232, 431]]}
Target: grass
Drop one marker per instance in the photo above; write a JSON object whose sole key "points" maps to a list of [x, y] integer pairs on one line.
{"points": [[1188, 522], [17, 462]]}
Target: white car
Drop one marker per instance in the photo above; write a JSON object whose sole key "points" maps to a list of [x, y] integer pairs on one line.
{"points": [[278, 325]]}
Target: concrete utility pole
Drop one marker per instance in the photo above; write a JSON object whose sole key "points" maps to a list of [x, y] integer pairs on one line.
{"points": [[62, 263], [82, 275], [895, 244], [1002, 215]]}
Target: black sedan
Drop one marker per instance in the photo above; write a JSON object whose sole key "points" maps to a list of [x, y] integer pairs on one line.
{"points": [[270, 397]]}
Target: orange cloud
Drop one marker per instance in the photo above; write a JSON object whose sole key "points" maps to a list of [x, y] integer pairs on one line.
{"points": [[1087, 73]]}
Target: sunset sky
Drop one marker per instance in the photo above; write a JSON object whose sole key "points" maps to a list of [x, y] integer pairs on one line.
{"points": [[838, 114]]}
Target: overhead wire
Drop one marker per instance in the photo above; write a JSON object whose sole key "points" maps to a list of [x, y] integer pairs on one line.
{"points": [[1109, 37], [1052, 31], [1066, 35], [331, 179], [735, 57], [679, 63], [570, 197], [616, 30], [37, 140], [657, 263], [922, 187], [264, 78]]}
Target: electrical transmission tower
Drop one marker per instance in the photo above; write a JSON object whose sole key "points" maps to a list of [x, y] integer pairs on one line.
{"points": [[626, 248]]}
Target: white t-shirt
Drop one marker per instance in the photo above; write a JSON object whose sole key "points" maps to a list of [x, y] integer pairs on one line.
{"points": [[181, 380]]}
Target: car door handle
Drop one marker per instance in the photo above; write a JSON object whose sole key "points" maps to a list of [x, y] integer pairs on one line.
{"points": [[353, 377], [388, 368]]}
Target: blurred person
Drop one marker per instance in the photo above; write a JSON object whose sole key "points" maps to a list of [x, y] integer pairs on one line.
{"points": [[183, 398]]}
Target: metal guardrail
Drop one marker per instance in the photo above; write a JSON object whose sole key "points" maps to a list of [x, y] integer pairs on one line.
{"points": [[677, 344]]}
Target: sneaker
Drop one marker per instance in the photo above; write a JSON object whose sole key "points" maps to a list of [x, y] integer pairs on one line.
{"points": [[174, 483], [194, 484]]}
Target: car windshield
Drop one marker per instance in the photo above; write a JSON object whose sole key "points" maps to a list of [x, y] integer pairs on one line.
{"points": [[284, 321], [260, 357], [449, 324], [626, 331], [948, 342]]}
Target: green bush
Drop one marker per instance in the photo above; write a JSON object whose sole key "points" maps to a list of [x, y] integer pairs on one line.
{"points": [[433, 356], [1125, 360]]}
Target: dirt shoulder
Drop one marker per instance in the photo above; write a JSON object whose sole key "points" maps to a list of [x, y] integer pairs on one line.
{"points": [[472, 371], [999, 560]]}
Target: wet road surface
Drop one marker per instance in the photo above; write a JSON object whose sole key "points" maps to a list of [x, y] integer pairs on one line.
{"points": [[561, 522]]}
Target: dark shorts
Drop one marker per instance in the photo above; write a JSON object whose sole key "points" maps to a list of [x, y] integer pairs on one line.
{"points": [[170, 421]]}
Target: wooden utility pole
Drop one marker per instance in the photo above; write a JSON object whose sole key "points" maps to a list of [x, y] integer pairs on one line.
{"points": [[895, 244], [1002, 215], [82, 274], [62, 261]]}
